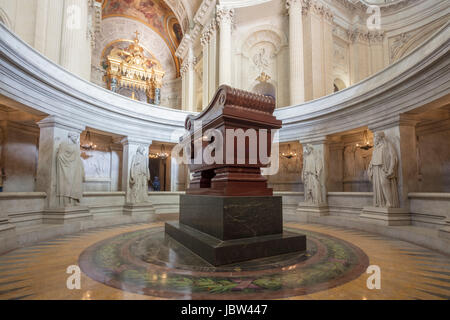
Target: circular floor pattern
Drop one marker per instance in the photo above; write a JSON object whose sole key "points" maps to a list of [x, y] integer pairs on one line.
{"points": [[148, 263]]}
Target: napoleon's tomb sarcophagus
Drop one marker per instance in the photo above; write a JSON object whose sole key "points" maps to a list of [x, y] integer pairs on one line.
{"points": [[229, 214]]}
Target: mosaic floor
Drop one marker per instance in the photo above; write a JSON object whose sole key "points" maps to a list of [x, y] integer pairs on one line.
{"points": [[138, 262]]}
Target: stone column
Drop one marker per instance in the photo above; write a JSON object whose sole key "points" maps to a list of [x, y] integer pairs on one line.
{"points": [[376, 51], [205, 46], [130, 147], [328, 50], [400, 132], [359, 56], [212, 78], [188, 78], [224, 19], [315, 165], [48, 28], [75, 43], [318, 20], [53, 131], [296, 58]]}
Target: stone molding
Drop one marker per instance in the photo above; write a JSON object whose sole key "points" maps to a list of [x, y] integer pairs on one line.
{"points": [[62, 123]]}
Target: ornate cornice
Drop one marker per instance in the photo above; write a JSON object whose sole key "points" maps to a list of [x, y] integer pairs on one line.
{"points": [[314, 6], [360, 35], [208, 32]]}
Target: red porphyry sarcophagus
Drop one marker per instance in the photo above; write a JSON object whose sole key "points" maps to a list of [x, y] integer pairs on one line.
{"points": [[245, 121]]}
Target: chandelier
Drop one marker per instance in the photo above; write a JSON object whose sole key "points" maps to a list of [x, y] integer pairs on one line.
{"points": [[88, 144], [289, 154], [163, 155], [366, 142]]}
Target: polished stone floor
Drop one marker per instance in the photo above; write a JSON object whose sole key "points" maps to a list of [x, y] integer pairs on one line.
{"points": [[139, 262]]}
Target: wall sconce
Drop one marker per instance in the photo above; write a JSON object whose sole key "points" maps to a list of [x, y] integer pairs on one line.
{"points": [[366, 142]]}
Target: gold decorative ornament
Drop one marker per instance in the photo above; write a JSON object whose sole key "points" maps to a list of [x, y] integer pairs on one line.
{"points": [[263, 77], [130, 68]]}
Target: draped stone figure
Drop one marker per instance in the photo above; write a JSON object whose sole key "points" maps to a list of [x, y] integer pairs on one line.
{"points": [[311, 175], [382, 173], [69, 172], [139, 177]]}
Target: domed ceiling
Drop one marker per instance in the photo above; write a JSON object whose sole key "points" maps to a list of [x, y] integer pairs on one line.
{"points": [[156, 14]]}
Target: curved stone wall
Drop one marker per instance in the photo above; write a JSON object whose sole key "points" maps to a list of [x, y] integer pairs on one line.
{"points": [[419, 81], [34, 83]]}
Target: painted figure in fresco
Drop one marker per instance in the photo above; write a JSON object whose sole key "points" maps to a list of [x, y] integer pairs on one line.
{"points": [[139, 177], [178, 32], [312, 173], [383, 173], [69, 172], [151, 11]]}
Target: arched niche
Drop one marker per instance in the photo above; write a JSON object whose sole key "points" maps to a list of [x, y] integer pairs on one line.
{"points": [[263, 52]]}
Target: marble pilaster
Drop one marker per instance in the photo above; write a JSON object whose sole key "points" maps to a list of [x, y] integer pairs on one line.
{"points": [[205, 39], [225, 19], [75, 43], [188, 78], [297, 71]]}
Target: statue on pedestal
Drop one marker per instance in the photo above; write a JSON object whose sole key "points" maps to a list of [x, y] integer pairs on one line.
{"points": [[382, 173], [69, 172], [139, 177], [311, 175]]}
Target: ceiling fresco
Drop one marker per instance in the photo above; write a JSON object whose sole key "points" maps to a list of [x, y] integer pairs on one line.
{"points": [[156, 14]]}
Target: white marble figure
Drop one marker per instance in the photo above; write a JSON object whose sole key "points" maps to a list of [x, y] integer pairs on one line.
{"points": [[69, 172], [382, 173], [139, 177], [311, 175]]}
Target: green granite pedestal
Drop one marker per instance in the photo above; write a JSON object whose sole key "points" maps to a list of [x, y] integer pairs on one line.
{"points": [[225, 230]]}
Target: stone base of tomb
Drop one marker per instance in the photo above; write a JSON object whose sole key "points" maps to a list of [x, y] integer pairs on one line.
{"points": [[225, 230]]}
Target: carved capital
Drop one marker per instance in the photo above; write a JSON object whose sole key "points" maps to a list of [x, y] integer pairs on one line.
{"points": [[190, 62], [224, 15], [376, 36], [302, 5]]}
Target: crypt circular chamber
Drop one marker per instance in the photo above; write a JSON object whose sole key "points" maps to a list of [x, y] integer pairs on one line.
{"points": [[355, 84]]}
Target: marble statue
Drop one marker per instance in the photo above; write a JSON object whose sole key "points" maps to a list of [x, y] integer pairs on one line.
{"points": [[311, 175], [69, 172], [139, 177], [382, 173]]}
